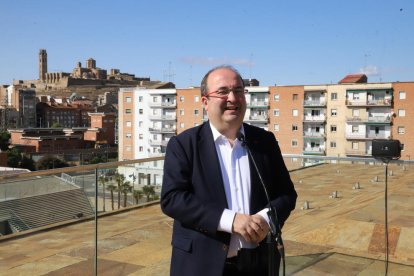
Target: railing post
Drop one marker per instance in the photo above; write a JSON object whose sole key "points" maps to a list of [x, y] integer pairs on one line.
{"points": [[96, 224]]}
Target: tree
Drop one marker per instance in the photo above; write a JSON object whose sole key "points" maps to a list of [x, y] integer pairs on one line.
{"points": [[149, 191], [14, 157], [4, 140], [137, 194], [102, 180], [125, 189], [27, 163], [50, 162], [119, 178], [111, 188], [56, 125], [97, 159]]}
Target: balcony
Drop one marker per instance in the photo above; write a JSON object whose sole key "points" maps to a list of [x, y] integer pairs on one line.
{"points": [[314, 119], [376, 102], [380, 119], [258, 104], [313, 134], [162, 104], [158, 142], [356, 152], [314, 103], [258, 119], [366, 136], [162, 130], [162, 117], [314, 150], [136, 239]]}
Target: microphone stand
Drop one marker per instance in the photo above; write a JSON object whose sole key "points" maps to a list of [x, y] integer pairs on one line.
{"points": [[275, 233]]}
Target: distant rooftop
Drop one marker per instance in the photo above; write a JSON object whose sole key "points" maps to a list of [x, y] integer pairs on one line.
{"points": [[354, 78]]}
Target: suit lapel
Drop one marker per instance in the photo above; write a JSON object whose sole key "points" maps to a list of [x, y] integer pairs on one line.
{"points": [[211, 165], [257, 192]]}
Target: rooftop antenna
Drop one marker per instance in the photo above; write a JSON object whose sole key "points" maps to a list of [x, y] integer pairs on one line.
{"points": [[170, 73]]}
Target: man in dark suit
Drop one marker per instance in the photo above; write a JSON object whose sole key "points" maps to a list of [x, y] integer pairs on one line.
{"points": [[213, 191]]}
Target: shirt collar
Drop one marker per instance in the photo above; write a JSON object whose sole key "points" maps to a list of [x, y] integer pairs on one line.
{"points": [[217, 134]]}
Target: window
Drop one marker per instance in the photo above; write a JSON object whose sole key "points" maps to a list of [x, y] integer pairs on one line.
{"points": [[401, 95], [181, 125], [294, 143], [196, 99], [196, 111], [355, 129], [128, 111], [181, 112], [276, 97], [140, 123], [295, 112], [141, 149], [401, 130], [154, 99], [402, 147], [128, 99], [140, 99], [276, 127], [333, 144], [276, 112], [128, 135], [141, 111], [334, 96], [401, 112], [355, 145], [128, 123], [181, 98], [140, 136], [333, 128], [294, 127], [333, 112], [295, 97], [355, 96], [355, 112]]}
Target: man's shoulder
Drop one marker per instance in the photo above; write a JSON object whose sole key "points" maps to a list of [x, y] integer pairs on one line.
{"points": [[254, 130], [192, 133]]}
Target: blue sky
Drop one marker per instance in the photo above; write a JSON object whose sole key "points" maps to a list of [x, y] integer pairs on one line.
{"points": [[277, 42]]}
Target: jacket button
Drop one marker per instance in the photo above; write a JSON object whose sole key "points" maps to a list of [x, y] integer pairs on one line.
{"points": [[225, 247]]}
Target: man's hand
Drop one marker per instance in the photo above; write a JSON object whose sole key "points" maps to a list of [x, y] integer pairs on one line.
{"points": [[253, 228]]}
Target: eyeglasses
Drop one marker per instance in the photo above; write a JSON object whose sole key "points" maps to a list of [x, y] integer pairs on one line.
{"points": [[223, 93]]}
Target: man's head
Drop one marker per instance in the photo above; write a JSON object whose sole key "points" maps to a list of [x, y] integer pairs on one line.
{"points": [[223, 96]]}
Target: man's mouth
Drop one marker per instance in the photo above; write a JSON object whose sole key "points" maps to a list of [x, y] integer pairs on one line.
{"points": [[231, 108]]}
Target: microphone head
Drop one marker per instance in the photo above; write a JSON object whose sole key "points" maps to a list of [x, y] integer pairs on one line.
{"points": [[241, 138]]}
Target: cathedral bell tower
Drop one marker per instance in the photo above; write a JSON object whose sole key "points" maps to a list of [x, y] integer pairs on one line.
{"points": [[42, 64]]}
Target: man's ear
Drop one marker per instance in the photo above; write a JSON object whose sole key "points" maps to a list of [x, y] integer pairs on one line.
{"points": [[204, 100]]}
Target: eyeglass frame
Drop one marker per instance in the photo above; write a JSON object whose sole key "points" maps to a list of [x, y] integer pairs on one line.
{"points": [[224, 97]]}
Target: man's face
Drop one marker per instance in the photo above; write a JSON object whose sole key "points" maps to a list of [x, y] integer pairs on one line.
{"points": [[225, 113]]}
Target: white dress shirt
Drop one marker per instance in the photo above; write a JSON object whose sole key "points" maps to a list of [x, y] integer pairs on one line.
{"points": [[235, 170]]}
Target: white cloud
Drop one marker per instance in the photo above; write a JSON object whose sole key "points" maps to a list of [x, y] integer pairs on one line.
{"points": [[370, 70], [196, 60]]}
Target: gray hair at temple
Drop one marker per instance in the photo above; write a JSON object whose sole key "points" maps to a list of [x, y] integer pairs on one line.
{"points": [[204, 88]]}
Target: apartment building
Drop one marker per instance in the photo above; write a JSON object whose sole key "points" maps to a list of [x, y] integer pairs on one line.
{"points": [[329, 120], [403, 117], [285, 117]]}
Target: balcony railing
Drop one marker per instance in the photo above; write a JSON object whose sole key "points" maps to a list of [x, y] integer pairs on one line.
{"points": [[314, 103], [162, 130], [313, 134], [162, 117], [314, 150], [259, 118], [310, 118], [163, 104], [378, 102], [355, 152], [259, 104], [79, 237]]}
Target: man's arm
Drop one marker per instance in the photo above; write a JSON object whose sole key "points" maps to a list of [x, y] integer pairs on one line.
{"points": [[179, 198]]}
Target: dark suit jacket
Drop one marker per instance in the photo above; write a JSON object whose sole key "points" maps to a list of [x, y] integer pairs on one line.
{"points": [[193, 194]]}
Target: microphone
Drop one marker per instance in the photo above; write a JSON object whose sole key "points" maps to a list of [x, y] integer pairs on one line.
{"points": [[274, 226], [271, 213]]}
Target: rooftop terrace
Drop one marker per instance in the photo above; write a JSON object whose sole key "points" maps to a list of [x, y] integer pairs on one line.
{"points": [[342, 235]]}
